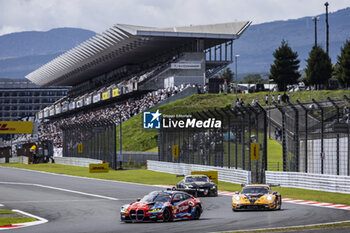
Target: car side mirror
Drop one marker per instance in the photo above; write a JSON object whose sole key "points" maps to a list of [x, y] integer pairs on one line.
{"points": [[236, 192], [138, 199], [176, 200], [274, 192]]}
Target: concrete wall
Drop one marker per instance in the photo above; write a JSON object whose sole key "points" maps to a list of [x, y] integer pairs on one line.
{"points": [[79, 162], [135, 158], [328, 183], [194, 76], [19, 159], [225, 174]]}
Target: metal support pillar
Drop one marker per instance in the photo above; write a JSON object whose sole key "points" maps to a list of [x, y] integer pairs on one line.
{"points": [[229, 142], [296, 137], [120, 144], [322, 134], [264, 159], [284, 141], [338, 139], [231, 50], [348, 173], [306, 134]]}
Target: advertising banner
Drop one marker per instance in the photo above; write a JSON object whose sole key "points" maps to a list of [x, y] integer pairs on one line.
{"points": [[106, 95], [115, 92], [99, 167], [16, 127]]}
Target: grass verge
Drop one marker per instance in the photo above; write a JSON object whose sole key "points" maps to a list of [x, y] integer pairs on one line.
{"points": [[160, 178], [8, 220]]}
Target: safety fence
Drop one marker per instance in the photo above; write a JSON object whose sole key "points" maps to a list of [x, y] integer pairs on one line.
{"points": [[94, 140], [320, 182], [225, 174], [242, 132], [314, 136]]}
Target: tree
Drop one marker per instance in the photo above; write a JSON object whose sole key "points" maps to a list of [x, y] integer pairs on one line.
{"points": [[252, 78], [227, 74], [284, 71], [343, 65], [319, 67]]}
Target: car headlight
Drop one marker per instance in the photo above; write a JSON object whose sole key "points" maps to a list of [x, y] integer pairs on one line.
{"points": [[188, 186], [124, 210], [237, 198], [213, 187], [269, 198]]}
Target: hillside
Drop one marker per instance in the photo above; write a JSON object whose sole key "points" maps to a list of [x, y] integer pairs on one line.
{"points": [[23, 52], [135, 138], [259, 41]]}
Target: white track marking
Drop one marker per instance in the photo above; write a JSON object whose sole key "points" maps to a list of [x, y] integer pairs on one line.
{"points": [[62, 189], [39, 220], [81, 177], [225, 193]]}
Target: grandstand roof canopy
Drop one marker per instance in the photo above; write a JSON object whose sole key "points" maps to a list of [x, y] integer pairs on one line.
{"points": [[127, 45]]}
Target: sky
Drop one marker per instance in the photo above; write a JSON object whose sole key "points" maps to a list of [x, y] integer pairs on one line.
{"points": [[98, 15]]}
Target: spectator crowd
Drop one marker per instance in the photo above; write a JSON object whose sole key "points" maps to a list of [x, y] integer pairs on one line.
{"points": [[51, 130]]}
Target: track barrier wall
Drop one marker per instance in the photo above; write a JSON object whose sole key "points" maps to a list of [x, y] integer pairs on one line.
{"points": [[73, 161], [313, 181], [19, 159], [230, 175]]}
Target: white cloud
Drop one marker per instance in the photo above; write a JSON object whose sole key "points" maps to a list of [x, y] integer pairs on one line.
{"points": [[98, 15]]}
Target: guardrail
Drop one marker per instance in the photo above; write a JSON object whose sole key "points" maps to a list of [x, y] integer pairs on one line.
{"points": [[79, 162], [328, 183], [230, 175]]}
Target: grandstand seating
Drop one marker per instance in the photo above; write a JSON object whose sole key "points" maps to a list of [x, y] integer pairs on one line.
{"points": [[50, 130]]}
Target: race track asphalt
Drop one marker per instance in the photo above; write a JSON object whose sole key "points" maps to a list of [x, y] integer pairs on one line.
{"points": [[80, 205]]}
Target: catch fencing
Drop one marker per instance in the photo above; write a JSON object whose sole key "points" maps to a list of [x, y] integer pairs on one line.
{"points": [[315, 136], [229, 146], [94, 140]]}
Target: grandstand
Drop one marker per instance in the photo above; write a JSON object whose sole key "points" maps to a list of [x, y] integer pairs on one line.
{"points": [[129, 69], [127, 61]]}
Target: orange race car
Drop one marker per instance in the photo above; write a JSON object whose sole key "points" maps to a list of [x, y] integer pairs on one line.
{"points": [[257, 196]]}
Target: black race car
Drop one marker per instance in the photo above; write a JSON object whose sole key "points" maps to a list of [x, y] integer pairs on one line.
{"points": [[198, 185]]}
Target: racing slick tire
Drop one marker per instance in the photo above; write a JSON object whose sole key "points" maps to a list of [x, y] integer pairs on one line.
{"points": [[279, 204], [197, 212], [167, 215], [213, 194]]}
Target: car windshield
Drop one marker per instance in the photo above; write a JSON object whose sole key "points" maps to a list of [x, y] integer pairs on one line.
{"points": [[255, 190], [197, 179], [157, 197]]}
